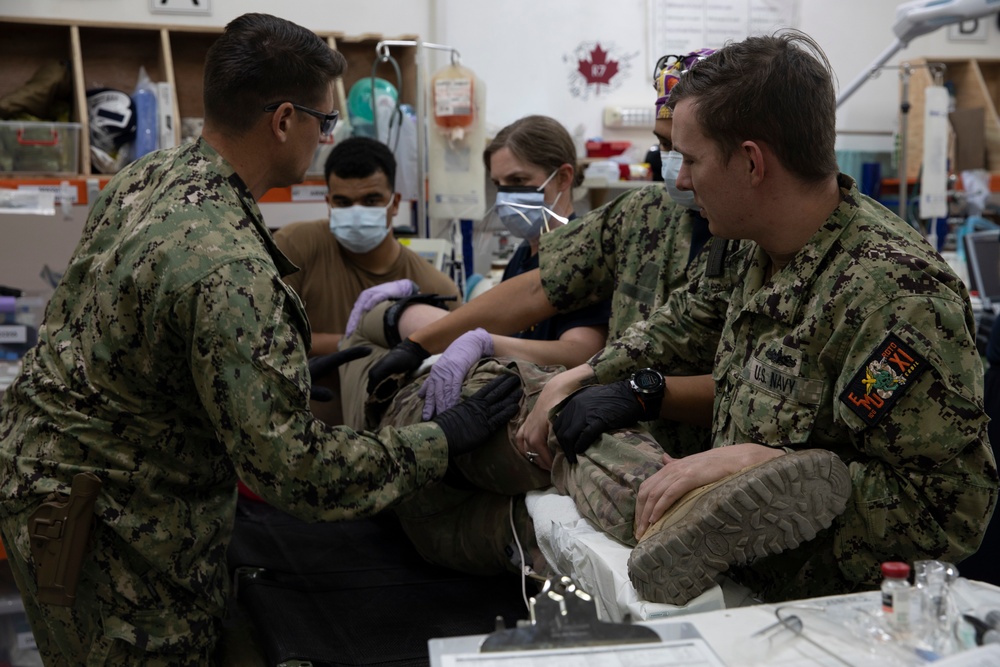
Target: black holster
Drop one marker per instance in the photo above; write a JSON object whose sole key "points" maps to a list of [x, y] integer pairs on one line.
{"points": [[59, 529]]}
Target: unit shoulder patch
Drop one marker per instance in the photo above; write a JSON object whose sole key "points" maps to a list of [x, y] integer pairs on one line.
{"points": [[888, 373]]}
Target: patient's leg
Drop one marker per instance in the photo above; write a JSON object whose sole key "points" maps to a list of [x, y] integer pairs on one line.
{"points": [[469, 529], [464, 522], [604, 483]]}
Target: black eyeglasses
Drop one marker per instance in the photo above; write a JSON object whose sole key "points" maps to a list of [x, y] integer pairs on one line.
{"points": [[327, 121]]}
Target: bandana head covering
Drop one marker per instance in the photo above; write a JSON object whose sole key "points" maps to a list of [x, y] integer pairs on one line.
{"points": [[668, 73]]}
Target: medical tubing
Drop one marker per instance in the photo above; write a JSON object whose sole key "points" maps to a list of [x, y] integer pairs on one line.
{"points": [[520, 552]]}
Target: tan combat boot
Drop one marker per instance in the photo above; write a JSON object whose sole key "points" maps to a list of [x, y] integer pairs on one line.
{"points": [[759, 511]]}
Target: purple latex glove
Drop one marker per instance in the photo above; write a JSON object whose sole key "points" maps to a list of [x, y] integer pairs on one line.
{"points": [[443, 387], [373, 296]]}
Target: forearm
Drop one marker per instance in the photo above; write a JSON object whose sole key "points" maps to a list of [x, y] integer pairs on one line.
{"points": [[572, 349], [689, 399], [324, 343], [511, 306]]}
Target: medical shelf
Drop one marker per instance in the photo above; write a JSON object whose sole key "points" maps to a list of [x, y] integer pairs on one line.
{"points": [[103, 54], [976, 84], [79, 194]]}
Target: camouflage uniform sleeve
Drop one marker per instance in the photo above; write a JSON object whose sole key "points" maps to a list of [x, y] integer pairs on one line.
{"points": [[577, 261], [682, 336], [248, 365], [923, 474]]}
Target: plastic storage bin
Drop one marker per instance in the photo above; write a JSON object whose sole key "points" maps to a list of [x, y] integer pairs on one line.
{"points": [[606, 148], [17, 644], [20, 318], [39, 148]]}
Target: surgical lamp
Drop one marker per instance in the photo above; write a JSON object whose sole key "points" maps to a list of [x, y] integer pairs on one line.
{"points": [[917, 18]]}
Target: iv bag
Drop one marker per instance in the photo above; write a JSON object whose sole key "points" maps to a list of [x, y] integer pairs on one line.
{"points": [[454, 97]]}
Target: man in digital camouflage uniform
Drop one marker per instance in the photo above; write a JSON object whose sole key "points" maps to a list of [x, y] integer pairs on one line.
{"points": [[847, 379], [172, 360]]}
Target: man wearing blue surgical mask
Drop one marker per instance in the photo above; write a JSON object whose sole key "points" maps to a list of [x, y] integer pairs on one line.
{"points": [[352, 250]]}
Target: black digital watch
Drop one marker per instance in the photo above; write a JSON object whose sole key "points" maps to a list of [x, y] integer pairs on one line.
{"points": [[648, 386]]}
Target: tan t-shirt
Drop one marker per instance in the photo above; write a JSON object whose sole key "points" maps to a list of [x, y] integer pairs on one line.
{"points": [[328, 283]]}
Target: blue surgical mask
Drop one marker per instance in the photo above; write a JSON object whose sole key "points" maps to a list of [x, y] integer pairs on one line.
{"points": [[523, 211], [359, 228], [670, 167]]}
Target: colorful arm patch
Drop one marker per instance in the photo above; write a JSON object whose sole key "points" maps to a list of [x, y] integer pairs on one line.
{"points": [[891, 369]]}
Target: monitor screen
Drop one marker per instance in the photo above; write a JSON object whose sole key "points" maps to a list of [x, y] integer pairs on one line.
{"points": [[982, 252]]}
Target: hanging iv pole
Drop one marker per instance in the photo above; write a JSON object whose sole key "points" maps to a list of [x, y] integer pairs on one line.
{"points": [[382, 49]]}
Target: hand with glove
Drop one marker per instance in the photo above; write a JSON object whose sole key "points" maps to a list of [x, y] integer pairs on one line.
{"points": [[595, 410], [443, 387], [320, 367], [373, 296], [470, 424], [404, 358]]}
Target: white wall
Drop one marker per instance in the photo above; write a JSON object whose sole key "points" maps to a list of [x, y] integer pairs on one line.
{"points": [[523, 49]]}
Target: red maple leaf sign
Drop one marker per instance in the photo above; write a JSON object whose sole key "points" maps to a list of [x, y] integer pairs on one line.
{"points": [[598, 69]]}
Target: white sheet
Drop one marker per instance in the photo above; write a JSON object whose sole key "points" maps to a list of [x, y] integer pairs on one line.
{"points": [[598, 564]]}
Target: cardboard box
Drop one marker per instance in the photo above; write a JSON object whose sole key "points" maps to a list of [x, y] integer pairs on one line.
{"points": [[970, 139]]}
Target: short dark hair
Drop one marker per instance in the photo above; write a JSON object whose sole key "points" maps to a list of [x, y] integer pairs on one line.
{"points": [[262, 59], [537, 140], [360, 157], [777, 89]]}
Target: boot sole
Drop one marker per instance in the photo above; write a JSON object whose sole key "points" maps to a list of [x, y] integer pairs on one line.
{"points": [[761, 511]]}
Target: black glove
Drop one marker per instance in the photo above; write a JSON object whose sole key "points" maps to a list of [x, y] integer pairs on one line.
{"points": [[404, 358], [320, 367], [593, 411], [470, 423]]}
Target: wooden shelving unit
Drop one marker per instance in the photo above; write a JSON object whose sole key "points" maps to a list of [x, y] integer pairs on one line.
{"points": [[110, 55], [977, 86]]}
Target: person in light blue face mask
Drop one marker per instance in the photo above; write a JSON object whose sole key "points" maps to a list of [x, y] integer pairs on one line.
{"points": [[523, 211], [532, 162], [353, 249], [670, 162]]}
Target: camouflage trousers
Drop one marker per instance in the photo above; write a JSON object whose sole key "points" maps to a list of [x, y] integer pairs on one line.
{"points": [[465, 521], [126, 612]]}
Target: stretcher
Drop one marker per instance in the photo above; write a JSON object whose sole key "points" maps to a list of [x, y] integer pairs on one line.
{"points": [[599, 564]]}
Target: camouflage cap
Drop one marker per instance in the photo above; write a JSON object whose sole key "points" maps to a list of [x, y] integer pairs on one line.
{"points": [[667, 73]]}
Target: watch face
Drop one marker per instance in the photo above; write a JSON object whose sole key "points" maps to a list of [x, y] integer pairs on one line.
{"points": [[648, 380]]}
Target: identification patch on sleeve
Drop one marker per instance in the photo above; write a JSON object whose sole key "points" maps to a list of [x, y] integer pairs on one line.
{"points": [[891, 369]]}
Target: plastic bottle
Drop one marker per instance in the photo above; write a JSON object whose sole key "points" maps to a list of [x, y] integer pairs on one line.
{"points": [[896, 594], [146, 119]]}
